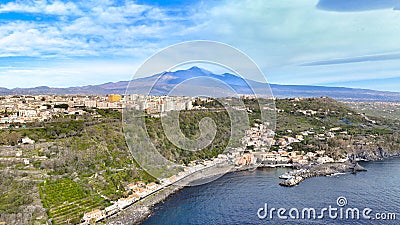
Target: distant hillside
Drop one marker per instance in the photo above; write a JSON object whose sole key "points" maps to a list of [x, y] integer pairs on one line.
{"points": [[168, 80]]}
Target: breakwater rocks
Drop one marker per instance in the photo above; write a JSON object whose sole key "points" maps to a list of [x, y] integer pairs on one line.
{"points": [[292, 181], [326, 169], [374, 154]]}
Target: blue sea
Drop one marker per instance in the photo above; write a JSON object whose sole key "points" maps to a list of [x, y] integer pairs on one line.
{"points": [[240, 198]]}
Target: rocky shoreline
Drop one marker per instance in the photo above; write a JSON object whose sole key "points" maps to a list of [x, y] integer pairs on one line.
{"points": [[140, 211], [375, 154]]}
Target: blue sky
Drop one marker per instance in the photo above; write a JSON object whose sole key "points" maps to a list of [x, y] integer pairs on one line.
{"points": [[352, 43]]}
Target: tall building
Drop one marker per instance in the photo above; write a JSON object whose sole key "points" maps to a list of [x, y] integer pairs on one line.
{"points": [[114, 98]]}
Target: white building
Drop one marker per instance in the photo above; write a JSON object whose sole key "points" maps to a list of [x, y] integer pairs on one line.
{"points": [[27, 140]]}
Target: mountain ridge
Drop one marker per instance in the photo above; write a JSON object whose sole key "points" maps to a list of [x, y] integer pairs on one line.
{"points": [[162, 83]]}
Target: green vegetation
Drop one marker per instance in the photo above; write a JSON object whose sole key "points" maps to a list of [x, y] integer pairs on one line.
{"points": [[86, 157], [8, 137], [68, 201], [61, 128], [17, 196], [100, 149], [189, 125], [12, 199], [358, 132], [92, 152], [388, 110], [109, 113], [61, 106]]}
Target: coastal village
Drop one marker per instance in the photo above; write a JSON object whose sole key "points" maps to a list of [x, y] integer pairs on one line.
{"points": [[260, 147], [253, 154]]}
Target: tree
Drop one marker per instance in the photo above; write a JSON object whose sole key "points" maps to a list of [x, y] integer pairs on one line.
{"points": [[62, 106]]}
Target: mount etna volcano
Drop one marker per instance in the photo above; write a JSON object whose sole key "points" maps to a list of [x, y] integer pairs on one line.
{"points": [[162, 83]]}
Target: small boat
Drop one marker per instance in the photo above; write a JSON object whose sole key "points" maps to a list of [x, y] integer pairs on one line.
{"points": [[335, 174]]}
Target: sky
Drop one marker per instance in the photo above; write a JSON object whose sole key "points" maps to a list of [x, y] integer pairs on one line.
{"points": [[350, 43]]}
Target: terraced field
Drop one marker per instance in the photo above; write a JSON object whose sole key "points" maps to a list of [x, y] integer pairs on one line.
{"points": [[68, 201]]}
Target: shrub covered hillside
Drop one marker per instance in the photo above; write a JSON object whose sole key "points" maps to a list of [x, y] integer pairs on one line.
{"points": [[80, 163], [349, 131], [76, 165]]}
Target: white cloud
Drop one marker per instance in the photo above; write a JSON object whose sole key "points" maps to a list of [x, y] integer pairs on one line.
{"points": [[291, 32], [60, 8], [41, 6], [273, 32], [279, 35], [27, 39], [16, 7], [103, 30]]}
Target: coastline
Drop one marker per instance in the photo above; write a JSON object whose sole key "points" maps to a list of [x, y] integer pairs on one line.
{"points": [[139, 212], [329, 169]]}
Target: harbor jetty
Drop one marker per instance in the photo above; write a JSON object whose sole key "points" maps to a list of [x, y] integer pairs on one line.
{"points": [[296, 177]]}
